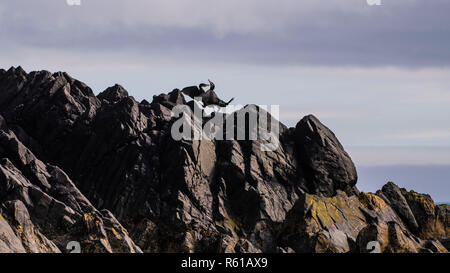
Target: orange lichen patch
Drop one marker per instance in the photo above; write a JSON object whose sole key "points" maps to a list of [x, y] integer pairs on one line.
{"points": [[401, 241], [97, 234], [116, 234], [339, 212], [323, 214], [206, 232], [424, 200], [20, 232], [439, 247], [332, 210], [115, 240], [372, 201], [91, 221], [104, 242], [383, 237]]}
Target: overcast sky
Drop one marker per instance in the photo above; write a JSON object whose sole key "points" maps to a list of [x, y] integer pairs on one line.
{"points": [[378, 76]]}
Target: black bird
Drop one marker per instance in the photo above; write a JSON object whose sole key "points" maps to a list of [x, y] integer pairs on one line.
{"points": [[209, 97], [195, 91]]}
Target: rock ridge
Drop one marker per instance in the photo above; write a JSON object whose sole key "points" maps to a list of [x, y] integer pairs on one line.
{"points": [[104, 171]]}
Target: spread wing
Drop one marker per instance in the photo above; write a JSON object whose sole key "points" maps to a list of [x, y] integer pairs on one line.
{"points": [[191, 91]]}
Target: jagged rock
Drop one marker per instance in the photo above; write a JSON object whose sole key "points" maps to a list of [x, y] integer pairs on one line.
{"points": [[32, 239], [418, 211], [326, 165], [170, 100], [397, 201], [433, 220], [390, 237], [45, 210], [326, 224], [105, 171], [348, 224], [9, 241], [113, 94]]}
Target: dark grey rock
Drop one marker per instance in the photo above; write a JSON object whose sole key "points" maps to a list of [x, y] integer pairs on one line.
{"points": [[326, 165], [113, 94], [45, 210], [398, 202], [104, 170]]}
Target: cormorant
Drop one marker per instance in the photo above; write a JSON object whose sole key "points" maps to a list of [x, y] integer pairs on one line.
{"points": [[209, 97]]}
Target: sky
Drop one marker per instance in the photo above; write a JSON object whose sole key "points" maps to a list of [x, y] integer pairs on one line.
{"points": [[378, 76]]}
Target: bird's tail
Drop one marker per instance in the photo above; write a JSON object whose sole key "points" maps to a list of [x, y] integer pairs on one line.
{"points": [[230, 101]]}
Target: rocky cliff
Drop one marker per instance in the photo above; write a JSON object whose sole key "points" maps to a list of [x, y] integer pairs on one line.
{"points": [[104, 171]]}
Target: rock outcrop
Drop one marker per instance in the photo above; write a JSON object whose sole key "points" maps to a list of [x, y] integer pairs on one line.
{"points": [[104, 171], [42, 211], [326, 165]]}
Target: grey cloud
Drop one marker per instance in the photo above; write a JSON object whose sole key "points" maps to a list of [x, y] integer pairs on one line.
{"points": [[334, 33]]}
